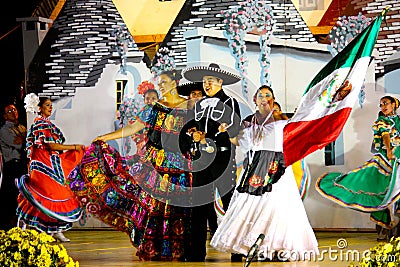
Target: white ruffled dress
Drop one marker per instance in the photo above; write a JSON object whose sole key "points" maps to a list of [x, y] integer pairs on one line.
{"points": [[279, 214]]}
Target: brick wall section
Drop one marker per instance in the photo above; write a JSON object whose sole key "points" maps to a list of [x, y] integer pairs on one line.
{"points": [[207, 14], [389, 37], [76, 49]]}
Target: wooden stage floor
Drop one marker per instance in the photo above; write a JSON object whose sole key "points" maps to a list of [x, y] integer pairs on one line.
{"points": [[111, 248]]}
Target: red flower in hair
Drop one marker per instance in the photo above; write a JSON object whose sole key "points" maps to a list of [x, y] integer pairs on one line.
{"points": [[144, 87]]}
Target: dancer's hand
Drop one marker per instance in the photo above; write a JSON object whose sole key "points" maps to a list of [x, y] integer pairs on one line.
{"points": [[79, 147], [100, 138], [199, 136], [222, 127], [192, 130], [390, 154]]}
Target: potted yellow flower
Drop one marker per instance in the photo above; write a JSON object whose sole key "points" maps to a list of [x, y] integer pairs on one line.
{"points": [[383, 255], [30, 248]]}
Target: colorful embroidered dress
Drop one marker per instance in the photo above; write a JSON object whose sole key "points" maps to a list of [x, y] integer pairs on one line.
{"points": [[137, 199], [45, 202], [373, 186], [140, 138], [257, 207]]}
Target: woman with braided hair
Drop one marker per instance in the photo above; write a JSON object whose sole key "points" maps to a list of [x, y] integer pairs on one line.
{"points": [[373, 187]]}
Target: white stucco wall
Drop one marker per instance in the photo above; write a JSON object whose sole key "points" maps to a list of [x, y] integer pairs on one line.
{"points": [[293, 66], [392, 78], [392, 81]]}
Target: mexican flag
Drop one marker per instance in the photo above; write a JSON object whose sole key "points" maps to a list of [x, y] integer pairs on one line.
{"points": [[328, 100]]}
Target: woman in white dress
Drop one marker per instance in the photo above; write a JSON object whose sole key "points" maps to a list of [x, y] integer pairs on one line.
{"points": [[266, 200]]}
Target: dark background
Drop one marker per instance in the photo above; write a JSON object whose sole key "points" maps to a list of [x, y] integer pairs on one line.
{"points": [[12, 63]]}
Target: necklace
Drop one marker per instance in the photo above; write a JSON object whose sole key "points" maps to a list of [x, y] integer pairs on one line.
{"points": [[257, 131], [256, 136], [257, 128]]}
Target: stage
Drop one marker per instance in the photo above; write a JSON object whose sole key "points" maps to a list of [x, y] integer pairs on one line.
{"points": [[111, 248]]}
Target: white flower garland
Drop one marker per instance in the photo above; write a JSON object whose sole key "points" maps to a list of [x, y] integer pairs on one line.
{"points": [[163, 61], [31, 103], [247, 16]]}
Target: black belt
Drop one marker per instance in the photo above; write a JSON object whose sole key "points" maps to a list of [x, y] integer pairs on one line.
{"points": [[223, 148]]}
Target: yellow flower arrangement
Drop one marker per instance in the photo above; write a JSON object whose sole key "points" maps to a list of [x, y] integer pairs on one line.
{"points": [[382, 255], [29, 248]]}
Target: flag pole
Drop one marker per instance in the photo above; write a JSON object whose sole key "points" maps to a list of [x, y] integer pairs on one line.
{"points": [[385, 11], [383, 14]]}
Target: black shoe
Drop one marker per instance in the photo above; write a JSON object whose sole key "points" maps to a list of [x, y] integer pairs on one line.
{"points": [[236, 257], [195, 259]]}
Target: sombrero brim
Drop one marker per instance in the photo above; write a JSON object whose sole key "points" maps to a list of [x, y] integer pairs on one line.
{"points": [[186, 88], [196, 74]]}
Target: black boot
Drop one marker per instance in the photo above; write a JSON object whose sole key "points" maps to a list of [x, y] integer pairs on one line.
{"points": [[236, 257]]}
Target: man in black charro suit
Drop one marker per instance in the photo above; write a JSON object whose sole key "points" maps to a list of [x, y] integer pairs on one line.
{"points": [[216, 167]]}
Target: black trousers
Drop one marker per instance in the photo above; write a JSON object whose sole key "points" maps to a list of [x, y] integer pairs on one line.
{"points": [[212, 219], [221, 174], [9, 193]]}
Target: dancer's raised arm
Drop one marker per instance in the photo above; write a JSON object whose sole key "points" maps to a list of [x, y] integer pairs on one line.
{"points": [[126, 131]]}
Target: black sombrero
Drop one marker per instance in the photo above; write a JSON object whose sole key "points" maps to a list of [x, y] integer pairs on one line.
{"points": [[186, 88], [196, 74]]}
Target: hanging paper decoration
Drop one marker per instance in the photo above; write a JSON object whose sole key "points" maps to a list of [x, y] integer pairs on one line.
{"points": [[344, 31], [123, 41], [163, 61], [248, 16]]}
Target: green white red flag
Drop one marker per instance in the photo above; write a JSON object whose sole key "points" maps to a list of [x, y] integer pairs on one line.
{"points": [[329, 98]]}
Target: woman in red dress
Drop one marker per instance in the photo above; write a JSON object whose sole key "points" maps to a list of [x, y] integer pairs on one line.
{"points": [[44, 202]]}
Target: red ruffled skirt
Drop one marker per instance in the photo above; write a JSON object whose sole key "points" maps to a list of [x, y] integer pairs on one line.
{"points": [[45, 202]]}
